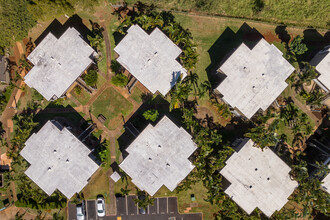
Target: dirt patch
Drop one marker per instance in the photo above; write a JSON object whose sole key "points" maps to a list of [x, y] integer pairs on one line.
{"points": [[271, 37], [207, 110]]}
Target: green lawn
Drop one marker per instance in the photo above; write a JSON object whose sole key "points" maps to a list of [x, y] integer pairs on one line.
{"points": [[136, 95], [102, 63], [301, 13], [83, 97], [111, 104], [99, 184]]}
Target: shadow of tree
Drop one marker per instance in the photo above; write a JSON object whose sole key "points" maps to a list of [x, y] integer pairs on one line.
{"points": [[225, 45], [283, 34]]}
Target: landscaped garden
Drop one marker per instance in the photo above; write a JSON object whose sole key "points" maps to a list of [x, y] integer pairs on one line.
{"points": [[112, 105]]}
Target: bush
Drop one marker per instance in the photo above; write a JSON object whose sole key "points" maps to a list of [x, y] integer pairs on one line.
{"points": [[151, 115], [119, 80], [36, 95], [77, 90], [91, 78]]}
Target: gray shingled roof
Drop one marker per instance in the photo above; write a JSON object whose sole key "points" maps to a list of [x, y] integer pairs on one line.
{"points": [[159, 156], [150, 58], [58, 63], [255, 78], [258, 179], [58, 160]]}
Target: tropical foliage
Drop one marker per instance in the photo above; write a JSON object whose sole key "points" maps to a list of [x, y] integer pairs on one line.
{"points": [[151, 114], [91, 78], [119, 80]]}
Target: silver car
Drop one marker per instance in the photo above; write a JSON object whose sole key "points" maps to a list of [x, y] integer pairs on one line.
{"points": [[80, 211], [100, 206]]}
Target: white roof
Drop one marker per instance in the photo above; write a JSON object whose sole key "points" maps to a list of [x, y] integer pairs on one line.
{"points": [[322, 62], [115, 176], [159, 156], [150, 58], [255, 78], [326, 182], [58, 160], [258, 179], [58, 63]]}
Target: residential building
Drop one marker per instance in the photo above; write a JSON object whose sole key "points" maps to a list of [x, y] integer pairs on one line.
{"points": [[58, 160], [321, 61], [151, 59], [259, 178], [254, 77], [159, 156], [58, 63]]}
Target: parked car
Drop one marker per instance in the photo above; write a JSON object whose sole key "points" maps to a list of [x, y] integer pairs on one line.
{"points": [[100, 206], [80, 211], [142, 211]]}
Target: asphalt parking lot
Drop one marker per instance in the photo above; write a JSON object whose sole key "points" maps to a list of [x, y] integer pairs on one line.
{"points": [[90, 207], [164, 208]]}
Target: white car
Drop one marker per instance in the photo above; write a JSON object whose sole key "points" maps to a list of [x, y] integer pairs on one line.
{"points": [[80, 211], [100, 207]]}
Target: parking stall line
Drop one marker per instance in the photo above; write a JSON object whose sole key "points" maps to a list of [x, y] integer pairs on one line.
{"points": [[126, 205], [166, 204], [157, 206]]}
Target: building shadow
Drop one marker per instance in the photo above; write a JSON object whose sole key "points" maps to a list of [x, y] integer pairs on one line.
{"points": [[318, 146], [314, 42], [225, 45], [57, 29]]}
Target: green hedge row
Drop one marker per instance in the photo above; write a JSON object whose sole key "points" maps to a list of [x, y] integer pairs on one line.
{"points": [[33, 205]]}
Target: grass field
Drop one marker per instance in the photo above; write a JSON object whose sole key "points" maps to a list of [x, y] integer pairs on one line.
{"points": [[83, 97], [136, 94], [111, 104], [99, 184], [302, 13]]}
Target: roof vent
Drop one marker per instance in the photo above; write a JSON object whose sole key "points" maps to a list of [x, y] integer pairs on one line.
{"points": [[49, 168], [256, 169], [149, 60], [55, 151], [253, 87], [244, 67], [167, 164], [250, 186], [150, 159], [159, 146], [263, 74], [67, 160], [268, 178]]}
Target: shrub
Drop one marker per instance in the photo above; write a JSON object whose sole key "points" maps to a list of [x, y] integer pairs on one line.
{"points": [[91, 78], [77, 90], [36, 95], [119, 80], [151, 114]]}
